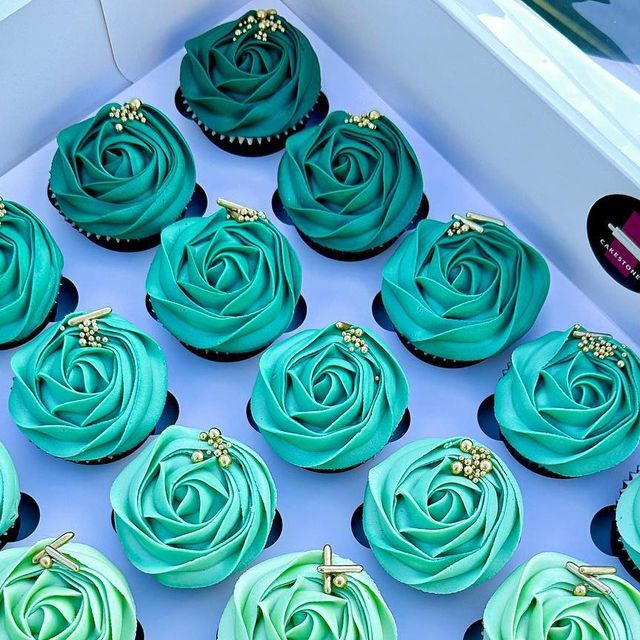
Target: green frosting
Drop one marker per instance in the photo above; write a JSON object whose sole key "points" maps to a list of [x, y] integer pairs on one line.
{"points": [[628, 518], [322, 405], [241, 86], [350, 188], [536, 602], [126, 185], [193, 524], [94, 603], [437, 531], [283, 598], [88, 403], [568, 410], [464, 297], [9, 492], [30, 272], [222, 285]]}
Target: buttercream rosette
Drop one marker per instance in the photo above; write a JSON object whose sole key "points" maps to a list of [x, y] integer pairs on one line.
{"points": [[436, 521], [192, 524], [323, 404], [9, 495]]}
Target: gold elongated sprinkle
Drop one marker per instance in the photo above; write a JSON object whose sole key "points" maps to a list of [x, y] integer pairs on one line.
{"points": [[128, 112], [89, 328], [263, 22], [598, 345], [365, 120], [240, 213], [471, 222], [476, 465], [353, 337], [219, 448]]}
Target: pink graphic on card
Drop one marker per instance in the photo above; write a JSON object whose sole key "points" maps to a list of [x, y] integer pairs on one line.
{"points": [[626, 244]]}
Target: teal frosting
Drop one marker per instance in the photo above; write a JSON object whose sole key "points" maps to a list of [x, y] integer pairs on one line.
{"points": [[9, 491], [193, 524], [568, 410], [536, 602], [437, 531], [30, 272], [283, 599], [350, 188], [94, 603], [87, 403], [125, 185], [322, 405], [464, 297], [628, 518], [244, 86], [222, 285]]}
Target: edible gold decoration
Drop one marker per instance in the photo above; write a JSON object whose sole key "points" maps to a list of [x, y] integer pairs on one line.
{"points": [[365, 120], [589, 576], [219, 448], [476, 465], [335, 575], [353, 336], [598, 345], [128, 112], [89, 328], [51, 554], [240, 213], [262, 21]]}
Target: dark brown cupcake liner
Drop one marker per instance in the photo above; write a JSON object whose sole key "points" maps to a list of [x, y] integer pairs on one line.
{"points": [[437, 361], [617, 545], [253, 147]]}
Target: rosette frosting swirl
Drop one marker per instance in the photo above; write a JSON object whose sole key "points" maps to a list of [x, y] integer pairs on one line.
{"points": [[9, 491], [350, 188], [628, 519], [94, 603], [30, 272], [467, 296], [88, 403], [283, 599], [567, 409], [126, 184], [321, 404], [223, 285], [537, 602], [437, 531], [240, 85], [193, 524]]}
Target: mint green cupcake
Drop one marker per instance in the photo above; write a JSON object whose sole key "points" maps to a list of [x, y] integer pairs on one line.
{"points": [[123, 175], [442, 515], [460, 292], [189, 513], [89, 389], [627, 524], [226, 285], [9, 497], [351, 185], [30, 273], [328, 404]]}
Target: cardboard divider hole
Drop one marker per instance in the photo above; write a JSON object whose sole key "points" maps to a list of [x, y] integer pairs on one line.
{"points": [[380, 314], [487, 418], [475, 631], [169, 415], [357, 527], [603, 530]]}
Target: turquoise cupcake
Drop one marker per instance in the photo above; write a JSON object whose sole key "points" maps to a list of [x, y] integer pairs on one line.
{"points": [[89, 389], [627, 523], [30, 273], [123, 175], [442, 515], [193, 508], [569, 404], [226, 285], [329, 399], [9, 497], [350, 185], [460, 292]]}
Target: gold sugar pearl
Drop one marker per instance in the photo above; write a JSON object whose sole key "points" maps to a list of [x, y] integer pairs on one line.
{"points": [[474, 466]]}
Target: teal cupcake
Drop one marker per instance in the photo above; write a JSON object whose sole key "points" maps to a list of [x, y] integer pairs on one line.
{"points": [[226, 285], [9, 497], [123, 175], [569, 404], [350, 185], [30, 274], [627, 523], [193, 508], [89, 389], [250, 83], [442, 515], [460, 292], [329, 399]]}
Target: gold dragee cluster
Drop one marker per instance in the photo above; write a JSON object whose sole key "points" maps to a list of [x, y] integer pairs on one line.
{"points": [[365, 120], [353, 336], [128, 112], [476, 465], [3, 209], [264, 21], [220, 448], [599, 346], [245, 214], [87, 323]]}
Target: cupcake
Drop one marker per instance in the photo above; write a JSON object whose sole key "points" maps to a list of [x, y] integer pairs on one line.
{"points": [[9, 498], [61, 590], [90, 389], [122, 176], [442, 515], [329, 399], [550, 597], [299, 595], [226, 285], [569, 404], [30, 274], [192, 508], [251, 83], [462, 292], [627, 525], [351, 185]]}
